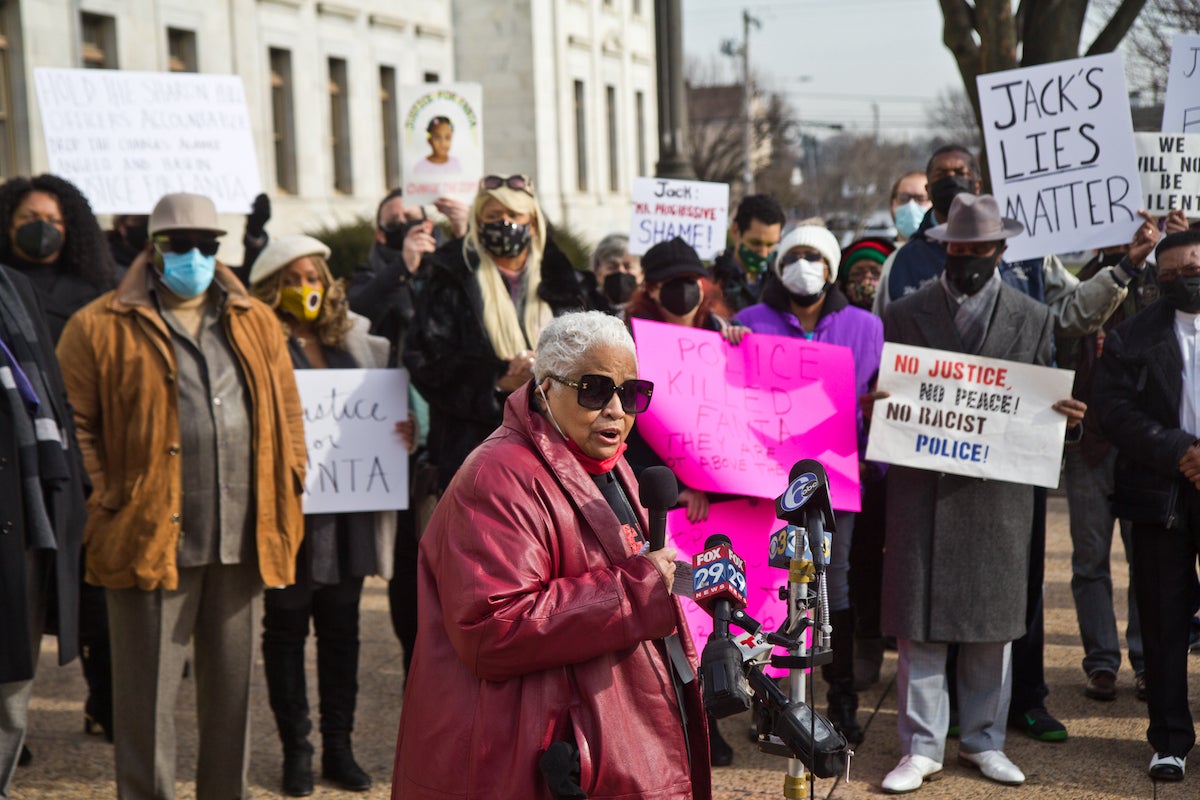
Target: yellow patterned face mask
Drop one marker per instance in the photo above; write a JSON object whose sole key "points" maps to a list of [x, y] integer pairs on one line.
{"points": [[302, 302]]}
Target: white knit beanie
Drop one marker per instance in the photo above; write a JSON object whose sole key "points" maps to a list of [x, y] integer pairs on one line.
{"points": [[816, 237]]}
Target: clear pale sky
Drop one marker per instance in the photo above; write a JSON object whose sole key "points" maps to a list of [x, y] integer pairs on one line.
{"points": [[854, 52]]}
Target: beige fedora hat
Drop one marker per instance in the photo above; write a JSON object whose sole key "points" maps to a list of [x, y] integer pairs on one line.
{"points": [[184, 212], [975, 218]]}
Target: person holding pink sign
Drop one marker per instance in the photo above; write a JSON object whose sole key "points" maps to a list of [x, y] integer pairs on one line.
{"points": [[800, 299]]}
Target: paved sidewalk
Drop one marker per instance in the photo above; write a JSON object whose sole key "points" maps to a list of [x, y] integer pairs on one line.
{"points": [[1105, 756]]}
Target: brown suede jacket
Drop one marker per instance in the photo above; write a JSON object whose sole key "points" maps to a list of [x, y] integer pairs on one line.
{"points": [[120, 370]]}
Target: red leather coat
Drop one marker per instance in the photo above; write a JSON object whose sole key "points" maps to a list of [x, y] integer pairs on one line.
{"points": [[537, 623]]}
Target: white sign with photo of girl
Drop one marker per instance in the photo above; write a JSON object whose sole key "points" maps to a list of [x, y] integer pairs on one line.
{"points": [[442, 141]]}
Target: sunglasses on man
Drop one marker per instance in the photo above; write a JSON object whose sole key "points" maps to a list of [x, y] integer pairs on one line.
{"points": [[518, 183], [594, 392], [183, 243]]}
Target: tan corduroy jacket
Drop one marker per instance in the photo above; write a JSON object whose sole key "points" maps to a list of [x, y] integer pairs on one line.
{"points": [[120, 370]]}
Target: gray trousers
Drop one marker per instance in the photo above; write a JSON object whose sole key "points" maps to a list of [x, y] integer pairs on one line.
{"points": [[923, 700], [1088, 487], [14, 696], [218, 606]]}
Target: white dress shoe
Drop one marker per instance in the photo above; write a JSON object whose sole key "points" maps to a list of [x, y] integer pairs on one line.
{"points": [[1166, 768], [994, 765], [910, 773]]}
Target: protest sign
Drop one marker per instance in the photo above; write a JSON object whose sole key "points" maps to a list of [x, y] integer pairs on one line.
{"points": [[442, 133], [967, 415], [1169, 164], [1181, 109], [127, 138], [356, 460], [735, 419], [1060, 149], [695, 211]]}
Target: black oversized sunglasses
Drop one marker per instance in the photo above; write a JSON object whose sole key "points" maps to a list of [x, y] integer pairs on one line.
{"points": [[518, 183], [596, 390], [182, 243]]}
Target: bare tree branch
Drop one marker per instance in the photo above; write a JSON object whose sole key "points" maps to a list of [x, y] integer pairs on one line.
{"points": [[1118, 25]]}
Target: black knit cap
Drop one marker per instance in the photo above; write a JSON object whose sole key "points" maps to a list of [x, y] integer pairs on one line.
{"points": [[670, 259]]}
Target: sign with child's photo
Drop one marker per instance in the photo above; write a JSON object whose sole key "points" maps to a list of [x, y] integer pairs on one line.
{"points": [[441, 133]]}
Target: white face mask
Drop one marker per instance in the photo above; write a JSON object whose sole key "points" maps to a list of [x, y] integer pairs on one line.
{"points": [[804, 277]]}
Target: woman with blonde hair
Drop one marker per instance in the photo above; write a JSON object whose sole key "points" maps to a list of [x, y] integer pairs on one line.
{"points": [[488, 296], [339, 550]]}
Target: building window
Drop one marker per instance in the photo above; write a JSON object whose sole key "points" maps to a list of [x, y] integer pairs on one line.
{"points": [[581, 172], [614, 161], [8, 142], [181, 50], [283, 120], [391, 139], [99, 41], [339, 118], [431, 77], [639, 107]]}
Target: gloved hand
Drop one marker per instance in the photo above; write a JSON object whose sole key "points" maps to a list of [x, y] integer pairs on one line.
{"points": [[260, 214]]}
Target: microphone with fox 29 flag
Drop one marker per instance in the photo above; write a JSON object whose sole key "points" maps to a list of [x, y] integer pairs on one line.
{"points": [[719, 584]]}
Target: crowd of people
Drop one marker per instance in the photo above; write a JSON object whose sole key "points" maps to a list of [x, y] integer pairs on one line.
{"points": [[152, 460]]}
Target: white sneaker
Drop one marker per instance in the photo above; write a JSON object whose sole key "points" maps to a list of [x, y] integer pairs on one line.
{"points": [[994, 765], [910, 773]]}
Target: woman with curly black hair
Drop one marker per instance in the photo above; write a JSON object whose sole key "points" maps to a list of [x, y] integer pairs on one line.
{"points": [[52, 237]]}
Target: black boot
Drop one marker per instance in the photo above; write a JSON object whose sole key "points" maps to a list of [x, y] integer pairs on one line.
{"points": [[339, 767], [95, 656], [839, 674], [283, 664]]}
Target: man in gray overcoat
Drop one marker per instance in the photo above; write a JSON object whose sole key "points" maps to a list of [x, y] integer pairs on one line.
{"points": [[958, 548]]}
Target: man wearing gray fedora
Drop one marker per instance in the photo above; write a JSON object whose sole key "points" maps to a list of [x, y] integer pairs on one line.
{"points": [[954, 592], [191, 428]]}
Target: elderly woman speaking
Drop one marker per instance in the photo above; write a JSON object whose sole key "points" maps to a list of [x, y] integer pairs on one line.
{"points": [[550, 650]]}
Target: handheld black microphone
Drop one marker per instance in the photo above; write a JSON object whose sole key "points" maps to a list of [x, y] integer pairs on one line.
{"points": [[658, 492], [718, 584]]}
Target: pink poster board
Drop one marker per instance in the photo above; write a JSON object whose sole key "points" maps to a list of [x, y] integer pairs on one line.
{"points": [[735, 419], [748, 523]]}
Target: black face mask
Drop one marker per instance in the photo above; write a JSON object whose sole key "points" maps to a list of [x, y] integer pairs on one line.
{"points": [[38, 239], [504, 239], [619, 287], [943, 191], [968, 274], [1183, 293], [680, 296], [395, 233]]}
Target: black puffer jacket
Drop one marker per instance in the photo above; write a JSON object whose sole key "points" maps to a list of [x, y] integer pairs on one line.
{"points": [[450, 357], [728, 274]]}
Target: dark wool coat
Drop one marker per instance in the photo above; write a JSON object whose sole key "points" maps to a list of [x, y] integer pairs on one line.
{"points": [[450, 357], [67, 511], [957, 548]]}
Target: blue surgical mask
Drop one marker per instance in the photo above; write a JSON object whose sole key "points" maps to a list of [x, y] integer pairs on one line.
{"points": [[908, 218], [188, 274]]}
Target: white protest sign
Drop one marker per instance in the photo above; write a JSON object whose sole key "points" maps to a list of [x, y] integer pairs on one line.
{"points": [[127, 138], [356, 460], [1181, 109], [695, 211], [966, 415], [442, 134], [1170, 167], [1060, 149]]}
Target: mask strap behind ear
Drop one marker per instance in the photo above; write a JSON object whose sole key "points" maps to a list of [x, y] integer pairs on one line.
{"points": [[550, 413]]}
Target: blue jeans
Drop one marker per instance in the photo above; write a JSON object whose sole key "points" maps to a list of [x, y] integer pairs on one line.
{"points": [[1088, 486]]}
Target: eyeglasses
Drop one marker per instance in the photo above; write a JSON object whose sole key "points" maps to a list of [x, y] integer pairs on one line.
{"points": [[182, 243], [596, 390], [792, 258], [905, 197], [518, 183]]}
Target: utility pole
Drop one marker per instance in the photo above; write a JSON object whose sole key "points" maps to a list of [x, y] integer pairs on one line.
{"points": [[747, 95], [673, 161]]}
